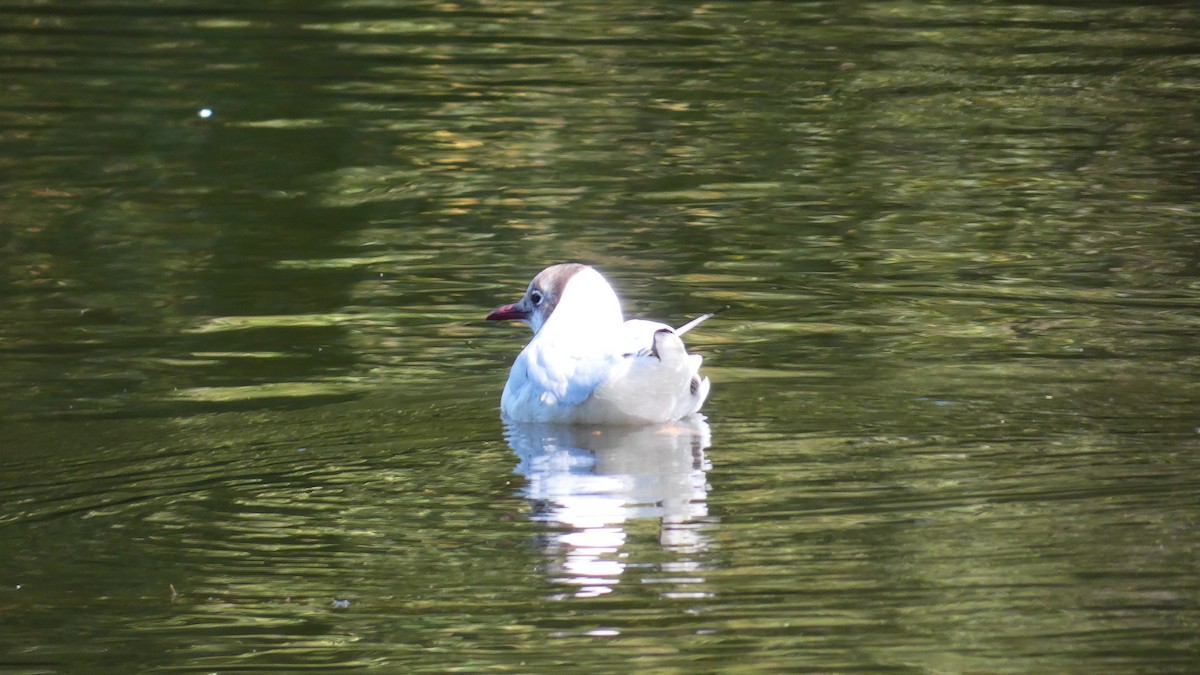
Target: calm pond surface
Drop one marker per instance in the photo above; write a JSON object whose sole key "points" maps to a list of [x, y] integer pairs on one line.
{"points": [[248, 403]]}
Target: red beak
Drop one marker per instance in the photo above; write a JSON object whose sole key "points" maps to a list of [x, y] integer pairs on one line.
{"points": [[508, 313]]}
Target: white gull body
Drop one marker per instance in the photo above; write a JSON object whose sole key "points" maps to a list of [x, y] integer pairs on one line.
{"points": [[587, 365]]}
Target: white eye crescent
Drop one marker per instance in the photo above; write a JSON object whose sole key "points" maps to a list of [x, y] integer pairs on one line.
{"points": [[536, 297]]}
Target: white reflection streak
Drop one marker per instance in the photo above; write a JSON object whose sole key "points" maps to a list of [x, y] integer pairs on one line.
{"points": [[592, 480]]}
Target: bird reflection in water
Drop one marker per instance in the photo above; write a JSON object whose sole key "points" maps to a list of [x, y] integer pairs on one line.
{"points": [[591, 482]]}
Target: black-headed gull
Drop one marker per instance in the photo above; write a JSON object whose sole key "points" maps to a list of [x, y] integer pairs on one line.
{"points": [[587, 365]]}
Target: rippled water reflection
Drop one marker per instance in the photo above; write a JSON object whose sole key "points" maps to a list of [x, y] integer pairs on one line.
{"points": [[592, 481], [248, 400]]}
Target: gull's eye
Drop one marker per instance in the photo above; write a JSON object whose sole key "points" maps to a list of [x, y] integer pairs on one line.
{"points": [[536, 297]]}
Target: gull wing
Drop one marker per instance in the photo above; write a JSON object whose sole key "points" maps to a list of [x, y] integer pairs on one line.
{"points": [[639, 374], [655, 379], [699, 320]]}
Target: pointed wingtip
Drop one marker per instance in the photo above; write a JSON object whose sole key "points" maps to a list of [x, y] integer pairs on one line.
{"points": [[700, 319]]}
